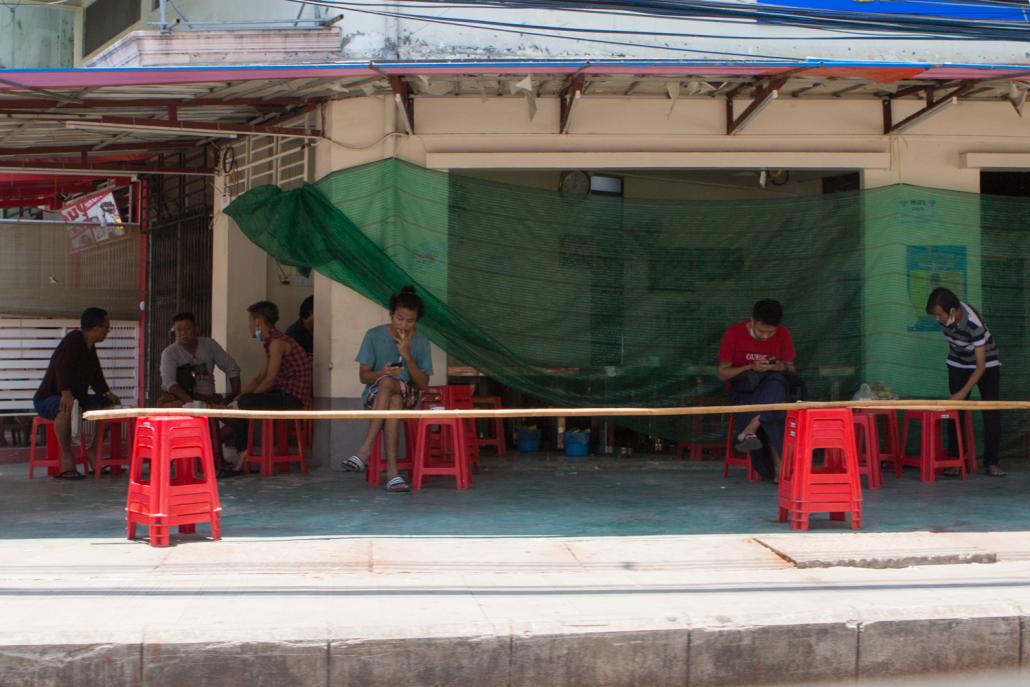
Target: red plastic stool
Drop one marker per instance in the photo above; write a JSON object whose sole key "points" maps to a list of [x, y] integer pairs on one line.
{"points": [[457, 467], [967, 429], [869, 451], [498, 438], [458, 397], [832, 488], [179, 445], [112, 454], [376, 462], [733, 458], [275, 446], [892, 451], [52, 462], [933, 456]]}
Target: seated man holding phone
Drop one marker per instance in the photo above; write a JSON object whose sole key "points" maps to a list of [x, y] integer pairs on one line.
{"points": [[756, 357]]}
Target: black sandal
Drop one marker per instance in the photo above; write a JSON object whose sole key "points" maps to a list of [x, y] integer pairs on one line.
{"points": [[73, 475], [748, 442]]}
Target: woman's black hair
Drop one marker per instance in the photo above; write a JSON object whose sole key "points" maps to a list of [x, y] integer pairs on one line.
{"points": [[768, 312], [408, 299], [943, 297]]}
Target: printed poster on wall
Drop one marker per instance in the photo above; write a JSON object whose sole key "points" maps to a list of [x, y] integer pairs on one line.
{"points": [[98, 211], [929, 267]]}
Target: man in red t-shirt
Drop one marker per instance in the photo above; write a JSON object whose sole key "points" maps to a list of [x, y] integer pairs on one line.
{"points": [[755, 357]]}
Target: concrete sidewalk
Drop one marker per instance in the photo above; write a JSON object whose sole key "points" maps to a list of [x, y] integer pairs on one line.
{"points": [[516, 582], [650, 611]]}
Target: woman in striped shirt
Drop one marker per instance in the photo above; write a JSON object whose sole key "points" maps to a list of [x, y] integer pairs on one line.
{"points": [[972, 361]]}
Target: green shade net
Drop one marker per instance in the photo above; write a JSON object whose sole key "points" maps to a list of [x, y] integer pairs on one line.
{"points": [[610, 301]]}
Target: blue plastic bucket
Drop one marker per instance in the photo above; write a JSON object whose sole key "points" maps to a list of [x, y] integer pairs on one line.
{"points": [[577, 444], [527, 440]]}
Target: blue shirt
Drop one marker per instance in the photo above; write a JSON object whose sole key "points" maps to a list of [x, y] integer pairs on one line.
{"points": [[378, 349]]}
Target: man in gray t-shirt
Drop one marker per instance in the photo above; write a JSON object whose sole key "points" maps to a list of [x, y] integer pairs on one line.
{"points": [[188, 366]]}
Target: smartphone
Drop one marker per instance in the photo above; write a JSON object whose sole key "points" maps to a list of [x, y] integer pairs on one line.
{"points": [[395, 365], [772, 361]]}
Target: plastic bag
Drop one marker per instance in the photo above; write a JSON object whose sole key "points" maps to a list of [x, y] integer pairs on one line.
{"points": [[864, 393]]}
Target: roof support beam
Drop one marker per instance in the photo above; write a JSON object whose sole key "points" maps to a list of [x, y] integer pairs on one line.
{"points": [[933, 106], [87, 168], [144, 124], [763, 98], [569, 96], [405, 101], [143, 147]]}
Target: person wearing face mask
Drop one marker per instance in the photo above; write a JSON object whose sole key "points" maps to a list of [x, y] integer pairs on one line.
{"points": [[972, 361], [395, 363], [284, 382], [755, 358]]}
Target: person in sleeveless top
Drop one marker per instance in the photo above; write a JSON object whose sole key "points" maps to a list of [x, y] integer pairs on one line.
{"points": [[284, 382]]}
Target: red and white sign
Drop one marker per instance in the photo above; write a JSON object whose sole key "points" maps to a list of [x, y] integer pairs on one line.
{"points": [[98, 210]]}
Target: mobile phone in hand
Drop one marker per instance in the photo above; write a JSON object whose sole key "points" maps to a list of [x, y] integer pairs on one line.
{"points": [[395, 365]]}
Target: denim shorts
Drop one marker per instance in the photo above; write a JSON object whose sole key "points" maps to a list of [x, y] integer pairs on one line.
{"points": [[48, 407]]}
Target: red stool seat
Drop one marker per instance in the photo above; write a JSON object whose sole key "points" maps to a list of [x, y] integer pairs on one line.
{"points": [[275, 446], [933, 456], [111, 453], [376, 462], [458, 466], [52, 461], [832, 488], [891, 451], [172, 494], [868, 449], [733, 458], [498, 440]]}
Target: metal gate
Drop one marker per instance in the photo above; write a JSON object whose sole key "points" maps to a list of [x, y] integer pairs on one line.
{"points": [[178, 259]]}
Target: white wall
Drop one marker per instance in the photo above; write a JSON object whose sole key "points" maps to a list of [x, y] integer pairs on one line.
{"points": [[35, 37], [367, 36]]}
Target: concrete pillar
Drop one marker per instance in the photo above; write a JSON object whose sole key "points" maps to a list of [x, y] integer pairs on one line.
{"points": [[238, 278], [917, 240], [358, 131]]}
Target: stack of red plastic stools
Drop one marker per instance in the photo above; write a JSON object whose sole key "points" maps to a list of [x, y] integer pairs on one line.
{"points": [[455, 447], [275, 446], [733, 458], [933, 455], [892, 451], [833, 488], [111, 454], [376, 461], [52, 462], [869, 453], [498, 438], [179, 445]]}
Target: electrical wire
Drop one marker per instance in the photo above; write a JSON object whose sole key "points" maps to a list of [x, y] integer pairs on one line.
{"points": [[769, 13]]}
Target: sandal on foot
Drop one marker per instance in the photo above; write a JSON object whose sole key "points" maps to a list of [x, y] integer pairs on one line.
{"points": [[995, 471], [397, 485], [73, 475], [354, 464], [228, 472], [748, 442]]}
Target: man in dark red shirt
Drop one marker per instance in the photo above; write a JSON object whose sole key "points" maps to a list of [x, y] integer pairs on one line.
{"points": [[74, 368], [755, 357]]}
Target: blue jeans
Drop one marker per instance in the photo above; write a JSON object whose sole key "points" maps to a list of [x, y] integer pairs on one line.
{"points": [[774, 388]]}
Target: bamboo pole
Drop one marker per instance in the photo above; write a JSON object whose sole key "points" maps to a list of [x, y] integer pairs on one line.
{"points": [[914, 404]]}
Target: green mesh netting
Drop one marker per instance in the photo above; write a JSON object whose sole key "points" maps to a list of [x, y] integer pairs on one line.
{"points": [[615, 301]]}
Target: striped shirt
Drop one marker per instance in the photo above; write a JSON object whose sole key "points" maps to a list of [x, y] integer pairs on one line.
{"points": [[967, 335]]}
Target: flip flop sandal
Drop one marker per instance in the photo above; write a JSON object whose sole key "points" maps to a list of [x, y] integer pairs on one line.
{"points": [[354, 464], [748, 442], [228, 472], [73, 475], [1000, 473], [397, 485]]}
